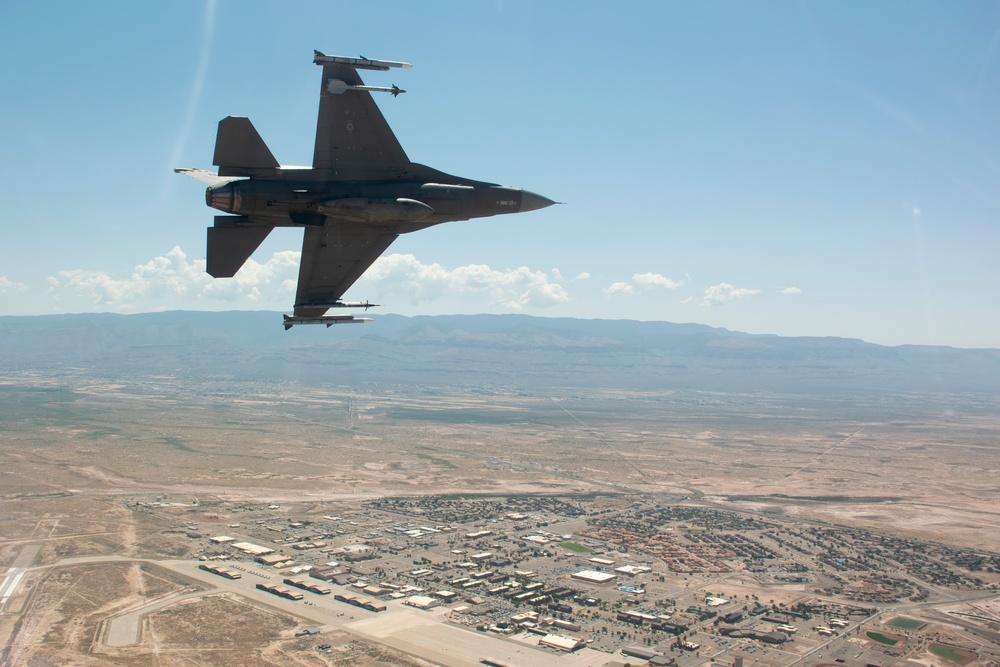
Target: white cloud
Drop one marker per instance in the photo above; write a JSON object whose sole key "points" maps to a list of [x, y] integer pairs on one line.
{"points": [[654, 280], [281, 269], [718, 294], [617, 289], [172, 276], [583, 275], [173, 280], [7, 285], [642, 282], [514, 289], [791, 290]]}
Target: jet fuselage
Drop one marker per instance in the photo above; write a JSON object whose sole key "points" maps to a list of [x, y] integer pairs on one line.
{"points": [[359, 195], [408, 205]]}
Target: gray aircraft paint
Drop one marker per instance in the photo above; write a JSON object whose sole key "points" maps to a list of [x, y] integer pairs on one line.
{"points": [[361, 193]]}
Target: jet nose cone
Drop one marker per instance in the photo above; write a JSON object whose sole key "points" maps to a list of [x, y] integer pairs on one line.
{"points": [[532, 202]]}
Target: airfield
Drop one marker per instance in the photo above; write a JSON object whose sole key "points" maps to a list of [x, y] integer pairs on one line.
{"points": [[796, 511]]}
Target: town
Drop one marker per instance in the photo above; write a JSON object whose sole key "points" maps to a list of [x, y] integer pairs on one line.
{"points": [[663, 580]]}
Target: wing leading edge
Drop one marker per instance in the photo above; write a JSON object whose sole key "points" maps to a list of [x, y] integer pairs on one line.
{"points": [[334, 256], [351, 131]]}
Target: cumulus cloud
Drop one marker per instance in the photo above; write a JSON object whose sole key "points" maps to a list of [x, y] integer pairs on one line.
{"points": [[717, 295], [170, 276], [7, 285], [583, 275], [791, 290], [654, 280], [281, 269], [642, 282], [173, 279], [617, 289], [514, 289]]}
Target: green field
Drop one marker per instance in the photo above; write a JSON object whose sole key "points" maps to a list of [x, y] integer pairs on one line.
{"points": [[948, 653], [903, 623], [882, 639], [578, 548]]}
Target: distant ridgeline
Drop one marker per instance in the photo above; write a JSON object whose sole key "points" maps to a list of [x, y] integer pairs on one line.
{"points": [[515, 351]]}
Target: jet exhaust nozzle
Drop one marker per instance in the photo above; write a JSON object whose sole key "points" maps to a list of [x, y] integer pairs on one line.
{"points": [[223, 197]]}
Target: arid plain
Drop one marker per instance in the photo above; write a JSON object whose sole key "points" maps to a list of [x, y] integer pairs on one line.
{"points": [[921, 465], [75, 448]]}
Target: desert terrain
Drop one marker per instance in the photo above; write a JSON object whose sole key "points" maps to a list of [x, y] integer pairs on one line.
{"points": [[110, 487]]}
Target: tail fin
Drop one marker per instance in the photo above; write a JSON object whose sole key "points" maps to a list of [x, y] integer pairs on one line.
{"points": [[239, 149]]}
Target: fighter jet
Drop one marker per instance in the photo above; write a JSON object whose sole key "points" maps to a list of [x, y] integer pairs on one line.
{"points": [[360, 194]]}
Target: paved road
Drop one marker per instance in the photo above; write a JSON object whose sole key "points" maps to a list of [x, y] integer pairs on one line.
{"points": [[124, 630], [16, 572], [424, 634]]}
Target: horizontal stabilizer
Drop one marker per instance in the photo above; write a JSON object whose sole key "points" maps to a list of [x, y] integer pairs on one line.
{"points": [[230, 247], [238, 145]]}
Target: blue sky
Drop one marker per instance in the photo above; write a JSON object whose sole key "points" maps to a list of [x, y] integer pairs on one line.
{"points": [[821, 169]]}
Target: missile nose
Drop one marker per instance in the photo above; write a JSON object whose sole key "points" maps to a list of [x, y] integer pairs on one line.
{"points": [[532, 202]]}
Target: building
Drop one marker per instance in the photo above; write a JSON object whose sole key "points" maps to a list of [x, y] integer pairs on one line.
{"points": [[272, 559], [639, 652], [478, 534], [252, 549], [353, 552], [221, 571], [561, 643], [593, 577], [566, 625], [421, 602]]}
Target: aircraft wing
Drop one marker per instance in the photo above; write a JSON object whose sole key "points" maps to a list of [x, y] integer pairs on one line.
{"points": [[351, 131], [333, 258]]}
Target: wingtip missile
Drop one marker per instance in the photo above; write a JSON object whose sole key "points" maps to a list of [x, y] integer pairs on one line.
{"points": [[359, 63], [337, 86], [356, 304]]}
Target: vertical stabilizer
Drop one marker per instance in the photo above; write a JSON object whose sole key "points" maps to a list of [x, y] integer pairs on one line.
{"points": [[238, 148]]}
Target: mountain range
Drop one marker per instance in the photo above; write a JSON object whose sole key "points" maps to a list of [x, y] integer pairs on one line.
{"points": [[483, 350]]}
